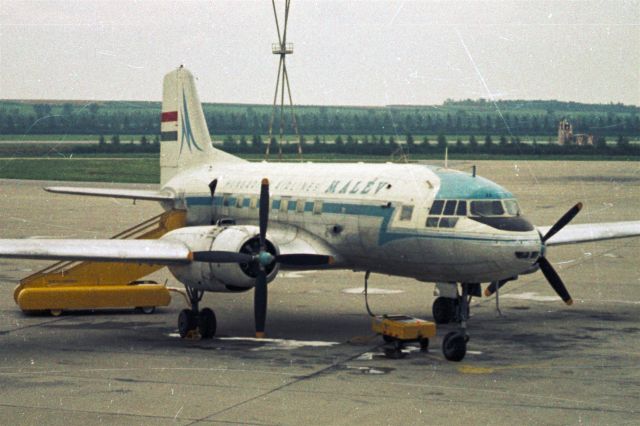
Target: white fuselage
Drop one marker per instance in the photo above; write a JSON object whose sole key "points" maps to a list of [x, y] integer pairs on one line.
{"points": [[373, 216]]}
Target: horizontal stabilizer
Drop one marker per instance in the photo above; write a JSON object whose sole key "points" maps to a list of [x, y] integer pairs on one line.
{"points": [[134, 194], [158, 252], [572, 234]]}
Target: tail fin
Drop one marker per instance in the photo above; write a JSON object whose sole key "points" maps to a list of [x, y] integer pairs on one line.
{"points": [[185, 139]]}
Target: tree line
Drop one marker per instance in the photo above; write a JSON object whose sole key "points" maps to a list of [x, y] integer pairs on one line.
{"points": [[380, 145], [461, 117]]}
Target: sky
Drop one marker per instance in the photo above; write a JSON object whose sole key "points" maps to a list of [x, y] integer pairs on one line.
{"points": [[345, 52]]}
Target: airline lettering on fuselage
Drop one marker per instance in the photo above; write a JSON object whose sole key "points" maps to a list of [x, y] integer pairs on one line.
{"points": [[357, 187], [335, 187]]}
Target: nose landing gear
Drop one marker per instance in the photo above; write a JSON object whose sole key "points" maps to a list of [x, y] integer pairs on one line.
{"points": [[456, 309]]}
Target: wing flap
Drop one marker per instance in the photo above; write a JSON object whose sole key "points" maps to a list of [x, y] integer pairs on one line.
{"points": [[136, 251], [586, 232], [135, 194]]}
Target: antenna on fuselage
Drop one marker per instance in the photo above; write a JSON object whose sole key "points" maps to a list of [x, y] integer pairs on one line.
{"points": [[282, 48]]}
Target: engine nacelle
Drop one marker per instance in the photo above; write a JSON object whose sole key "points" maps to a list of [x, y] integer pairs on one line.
{"points": [[221, 277]]}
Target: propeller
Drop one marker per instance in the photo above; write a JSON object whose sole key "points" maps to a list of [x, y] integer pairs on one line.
{"points": [[545, 266], [262, 259]]}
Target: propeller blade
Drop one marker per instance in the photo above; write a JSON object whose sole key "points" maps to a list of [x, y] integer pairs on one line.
{"points": [[304, 259], [260, 302], [221, 257], [554, 279], [491, 288], [264, 212], [564, 220]]}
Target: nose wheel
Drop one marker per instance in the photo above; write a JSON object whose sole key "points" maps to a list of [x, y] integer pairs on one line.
{"points": [[193, 323]]}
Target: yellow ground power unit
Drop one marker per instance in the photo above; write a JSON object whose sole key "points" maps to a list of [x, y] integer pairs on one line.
{"points": [[91, 285], [401, 329]]}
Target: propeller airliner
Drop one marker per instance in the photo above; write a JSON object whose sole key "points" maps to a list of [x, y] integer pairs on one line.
{"points": [[247, 220]]}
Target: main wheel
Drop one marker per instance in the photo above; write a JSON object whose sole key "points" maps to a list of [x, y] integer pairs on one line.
{"points": [[444, 310], [207, 323], [186, 322], [454, 346]]}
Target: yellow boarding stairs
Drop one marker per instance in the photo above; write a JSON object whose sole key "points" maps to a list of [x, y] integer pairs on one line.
{"points": [[90, 285]]}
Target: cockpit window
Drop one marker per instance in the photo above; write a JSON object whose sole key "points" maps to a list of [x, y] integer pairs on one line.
{"points": [[450, 208], [462, 208], [436, 208], [487, 208], [512, 207]]}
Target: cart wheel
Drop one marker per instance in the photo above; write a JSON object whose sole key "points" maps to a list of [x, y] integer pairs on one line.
{"points": [[55, 312], [148, 309], [393, 353], [424, 345]]}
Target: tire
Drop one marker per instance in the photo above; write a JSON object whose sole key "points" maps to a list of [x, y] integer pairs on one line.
{"points": [[207, 323], [388, 339], [444, 310], [424, 345], [186, 322], [55, 312], [454, 346], [147, 310]]}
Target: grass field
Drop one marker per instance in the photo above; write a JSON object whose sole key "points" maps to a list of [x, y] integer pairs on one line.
{"points": [[135, 169], [141, 170]]}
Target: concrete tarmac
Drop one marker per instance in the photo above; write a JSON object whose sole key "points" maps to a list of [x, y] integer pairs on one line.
{"points": [[542, 362]]}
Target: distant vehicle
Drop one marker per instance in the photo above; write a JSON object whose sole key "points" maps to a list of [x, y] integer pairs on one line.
{"points": [[430, 223]]}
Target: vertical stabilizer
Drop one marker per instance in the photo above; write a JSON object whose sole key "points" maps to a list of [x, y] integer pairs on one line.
{"points": [[184, 139]]}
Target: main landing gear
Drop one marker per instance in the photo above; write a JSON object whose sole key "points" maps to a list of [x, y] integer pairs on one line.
{"points": [[456, 309], [192, 322]]}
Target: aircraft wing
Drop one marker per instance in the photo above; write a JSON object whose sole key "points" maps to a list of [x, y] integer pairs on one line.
{"points": [[157, 252], [135, 194], [582, 233]]}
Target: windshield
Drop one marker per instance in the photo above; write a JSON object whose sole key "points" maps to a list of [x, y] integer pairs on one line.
{"points": [[512, 207], [487, 208]]}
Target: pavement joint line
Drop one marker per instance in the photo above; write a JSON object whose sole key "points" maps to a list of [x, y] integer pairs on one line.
{"points": [[118, 414], [285, 385], [6, 332]]}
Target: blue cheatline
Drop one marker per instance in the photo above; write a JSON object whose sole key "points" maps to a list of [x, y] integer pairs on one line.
{"points": [[385, 235]]}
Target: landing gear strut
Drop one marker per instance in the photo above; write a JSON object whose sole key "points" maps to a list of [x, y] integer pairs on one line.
{"points": [[446, 310], [191, 321]]}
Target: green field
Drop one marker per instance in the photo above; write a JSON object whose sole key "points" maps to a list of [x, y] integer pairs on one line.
{"points": [[130, 169], [139, 170]]}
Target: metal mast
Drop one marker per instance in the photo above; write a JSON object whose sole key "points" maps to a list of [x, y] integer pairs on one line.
{"points": [[282, 48]]}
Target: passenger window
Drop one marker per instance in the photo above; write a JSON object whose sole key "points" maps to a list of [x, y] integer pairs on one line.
{"points": [[239, 201], [225, 200], [436, 207], [432, 222], [406, 212], [462, 208], [300, 206], [275, 205], [450, 208], [317, 207]]}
